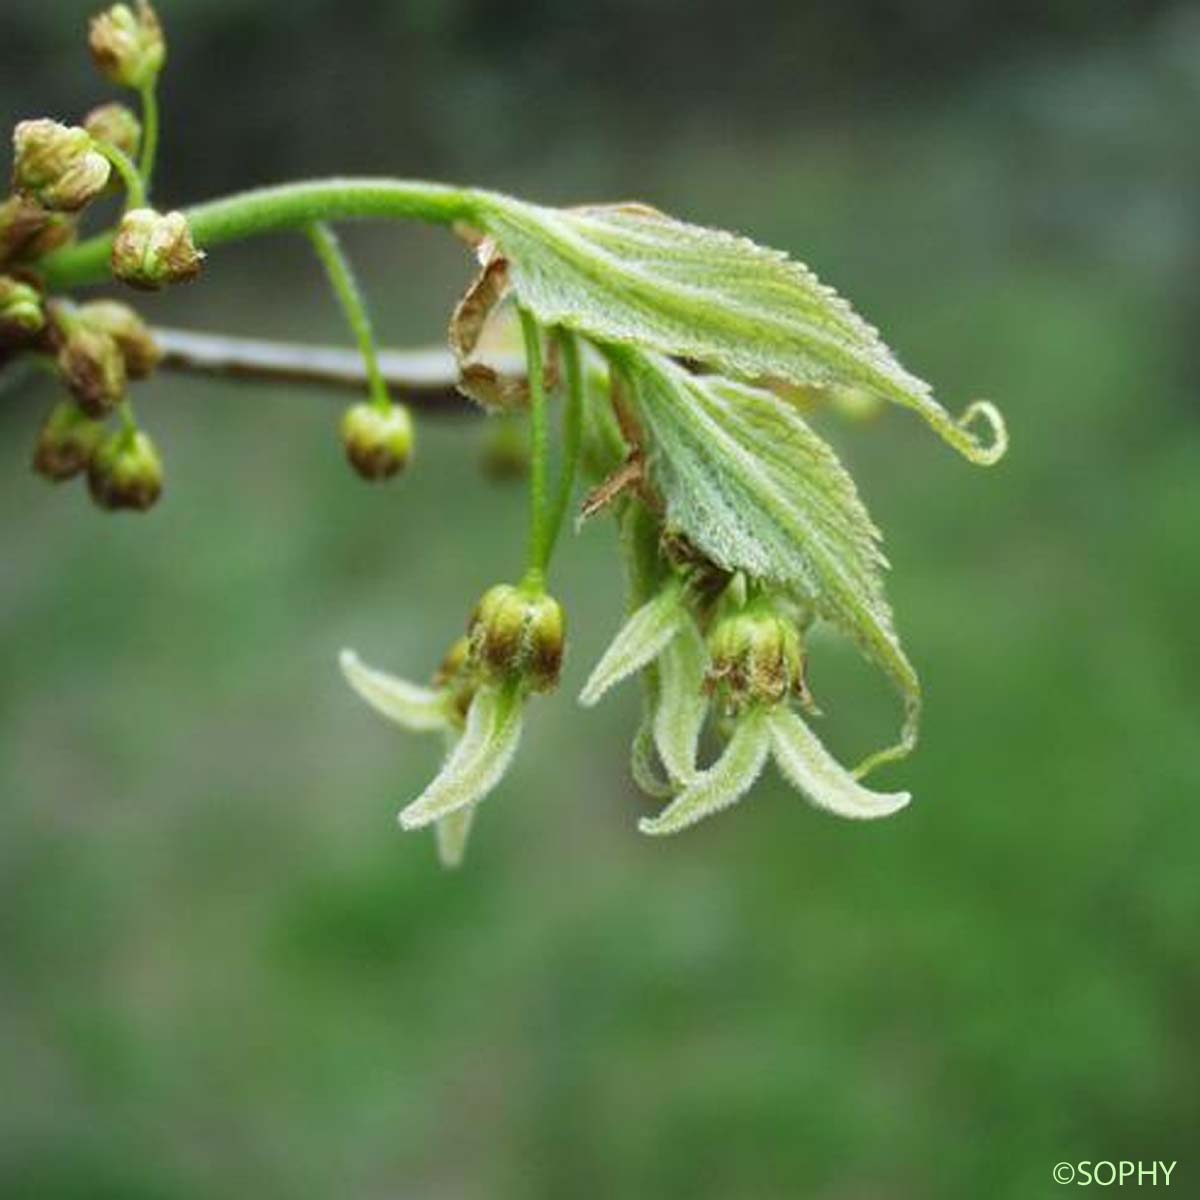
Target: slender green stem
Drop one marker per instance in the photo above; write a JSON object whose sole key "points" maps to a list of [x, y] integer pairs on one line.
{"points": [[572, 434], [128, 419], [135, 191], [539, 453], [345, 286], [149, 95], [271, 210]]}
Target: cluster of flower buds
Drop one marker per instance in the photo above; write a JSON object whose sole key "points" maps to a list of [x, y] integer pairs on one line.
{"points": [[96, 348]]}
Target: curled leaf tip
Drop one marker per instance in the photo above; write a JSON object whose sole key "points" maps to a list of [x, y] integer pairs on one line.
{"points": [[981, 453], [909, 735]]}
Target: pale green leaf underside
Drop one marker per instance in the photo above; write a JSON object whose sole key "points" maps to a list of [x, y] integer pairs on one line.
{"points": [[758, 491], [476, 763], [407, 704], [723, 784], [627, 274], [810, 768]]}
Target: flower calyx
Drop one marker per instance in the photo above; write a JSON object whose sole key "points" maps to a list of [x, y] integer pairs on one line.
{"points": [[517, 635]]}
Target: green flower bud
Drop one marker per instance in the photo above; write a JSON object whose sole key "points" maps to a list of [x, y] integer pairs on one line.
{"points": [[132, 335], [27, 230], [127, 45], [66, 443], [57, 165], [757, 655], [116, 125], [517, 635], [378, 443], [21, 313], [125, 472], [93, 368], [153, 249]]}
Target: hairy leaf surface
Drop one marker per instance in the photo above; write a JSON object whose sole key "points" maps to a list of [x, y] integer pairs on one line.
{"points": [[754, 487], [632, 275]]}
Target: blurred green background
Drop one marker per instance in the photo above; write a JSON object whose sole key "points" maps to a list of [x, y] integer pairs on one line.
{"points": [[224, 972]]}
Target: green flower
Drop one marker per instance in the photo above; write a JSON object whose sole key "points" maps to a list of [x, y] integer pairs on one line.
{"points": [[755, 671], [512, 650], [437, 709]]}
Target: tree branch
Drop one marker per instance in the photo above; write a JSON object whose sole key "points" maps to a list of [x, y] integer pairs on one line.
{"points": [[424, 378]]}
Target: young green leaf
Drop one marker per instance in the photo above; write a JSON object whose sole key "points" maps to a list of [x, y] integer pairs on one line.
{"points": [[630, 275], [758, 491]]}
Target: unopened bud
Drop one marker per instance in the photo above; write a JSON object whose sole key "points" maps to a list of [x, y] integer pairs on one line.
{"points": [[757, 655], [116, 125], [378, 442], [518, 635], [127, 44], [153, 249], [132, 335], [57, 165], [21, 313], [93, 368], [27, 230], [66, 443], [125, 472]]}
